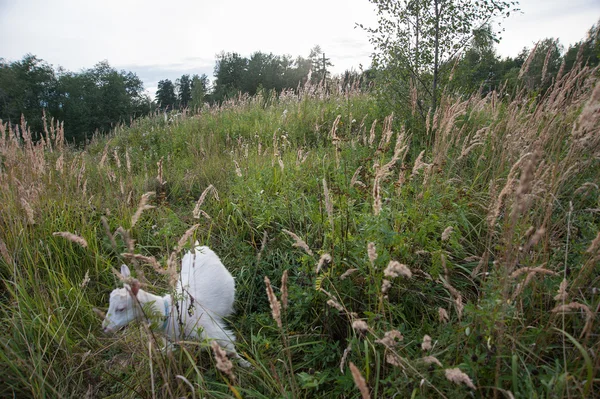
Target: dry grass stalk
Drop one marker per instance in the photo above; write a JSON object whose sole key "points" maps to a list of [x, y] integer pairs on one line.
{"points": [[585, 129], [99, 313], [284, 289], [210, 189], [110, 236], [535, 238], [391, 339], [281, 165], [394, 359], [532, 270], [524, 188], [546, 60], [527, 62], [159, 175], [325, 258], [372, 133], [5, 254], [275, 305], [396, 269], [104, 156], [344, 357], [142, 207], [263, 244], [60, 164], [186, 237], [71, 237], [347, 274], [456, 295], [447, 232], [443, 315], [586, 187], [426, 344], [328, 203], [359, 380], [335, 304], [127, 161], [386, 134], [238, 171], [86, 279], [589, 315], [419, 164], [372, 252], [117, 159], [354, 181], [431, 360], [458, 377], [299, 242], [562, 292], [149, 260], [28, 211], [595, 244], [224, 365]]}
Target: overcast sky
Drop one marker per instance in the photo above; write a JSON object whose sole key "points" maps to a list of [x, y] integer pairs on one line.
{"points": [[165, 39]]}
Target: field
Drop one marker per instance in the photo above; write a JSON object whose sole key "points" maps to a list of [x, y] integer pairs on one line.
{"points": [[455, 258]]}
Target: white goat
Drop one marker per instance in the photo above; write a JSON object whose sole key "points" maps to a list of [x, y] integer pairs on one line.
{"points": [[205, 295]]}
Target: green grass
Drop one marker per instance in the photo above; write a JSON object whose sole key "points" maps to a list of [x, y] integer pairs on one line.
{"points": [[506, 339]]}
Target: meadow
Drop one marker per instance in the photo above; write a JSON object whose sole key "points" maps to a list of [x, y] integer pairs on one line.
{"points": [[457, 257]]}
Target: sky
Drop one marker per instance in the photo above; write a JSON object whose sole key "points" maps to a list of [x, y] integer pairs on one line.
{"points": [[165, 39]]}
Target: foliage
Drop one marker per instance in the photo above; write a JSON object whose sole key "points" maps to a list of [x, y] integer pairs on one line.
{"points": [[414, 39], [165, 95], [184, 90], [95, 99]]}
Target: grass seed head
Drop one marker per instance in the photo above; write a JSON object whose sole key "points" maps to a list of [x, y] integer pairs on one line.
{"points": [[275, 305], [458, 377], [224, 365], [360, 382], [299, 242], [71, 237]]}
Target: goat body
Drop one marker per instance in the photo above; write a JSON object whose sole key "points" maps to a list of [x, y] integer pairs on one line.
{"points": [[204, 297]]}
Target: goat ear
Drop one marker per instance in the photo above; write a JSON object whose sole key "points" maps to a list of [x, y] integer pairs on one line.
{"points": [[135, 287], [125, 271]]}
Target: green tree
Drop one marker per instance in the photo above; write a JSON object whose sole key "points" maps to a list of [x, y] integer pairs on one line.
{"points": [[415, 38], [587, 50], [165, 95], [26, 88], [97, 99], [320, 65], [184, 90], [543, 67], [479, 67], [230, 71], [199, 90]]}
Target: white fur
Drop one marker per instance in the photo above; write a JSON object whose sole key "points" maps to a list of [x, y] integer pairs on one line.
{"points": [[204, 297]]}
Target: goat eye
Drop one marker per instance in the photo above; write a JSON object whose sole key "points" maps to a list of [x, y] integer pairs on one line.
{"points": [[120, 309]]}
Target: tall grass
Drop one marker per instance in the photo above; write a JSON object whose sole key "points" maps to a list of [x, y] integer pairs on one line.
{"points": [[467, 267]]}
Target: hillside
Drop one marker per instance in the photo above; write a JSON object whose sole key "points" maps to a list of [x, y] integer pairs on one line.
{"points": [[453, 258]]}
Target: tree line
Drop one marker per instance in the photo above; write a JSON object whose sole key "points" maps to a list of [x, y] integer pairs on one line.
{"points": [[234, 74], [99, 98], [95, 99]]}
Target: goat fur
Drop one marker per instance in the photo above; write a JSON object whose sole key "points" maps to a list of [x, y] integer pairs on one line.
{"points": [[204, 298]]}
